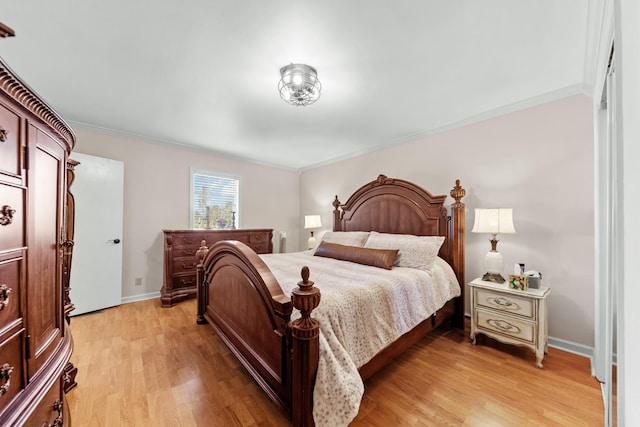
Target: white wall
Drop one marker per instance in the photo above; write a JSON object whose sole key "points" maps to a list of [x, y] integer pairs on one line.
{"points": [[538, 161], [156, 197]]}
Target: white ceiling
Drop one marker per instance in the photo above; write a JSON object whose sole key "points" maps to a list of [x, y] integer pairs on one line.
{"points": [[204, 72]]}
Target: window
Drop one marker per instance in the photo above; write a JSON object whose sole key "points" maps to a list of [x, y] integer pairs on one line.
{"points": [[214, 200]]}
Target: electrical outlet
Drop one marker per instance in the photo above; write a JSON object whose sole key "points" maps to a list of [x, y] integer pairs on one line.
{"points": [[138, 281]]}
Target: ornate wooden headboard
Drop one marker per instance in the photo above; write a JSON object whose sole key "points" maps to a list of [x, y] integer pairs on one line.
{"points": [[390, 205]]}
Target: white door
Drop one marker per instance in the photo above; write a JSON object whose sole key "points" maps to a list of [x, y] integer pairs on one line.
{"points": [[96, 267]]}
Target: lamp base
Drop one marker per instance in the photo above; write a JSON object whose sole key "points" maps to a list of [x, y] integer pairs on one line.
{"points": [[312, 243], [493, 277]]}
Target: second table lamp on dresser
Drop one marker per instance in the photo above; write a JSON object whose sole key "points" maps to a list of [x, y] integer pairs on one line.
{"points": [[310, 222], [494, 222]]}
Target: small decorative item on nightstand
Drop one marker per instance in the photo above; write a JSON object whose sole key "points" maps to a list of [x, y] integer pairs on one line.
{"points": [[510, 316], [518, 282]]}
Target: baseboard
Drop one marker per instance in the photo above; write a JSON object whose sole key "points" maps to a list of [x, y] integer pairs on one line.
{"points": [[140, 297], [571, 347]]}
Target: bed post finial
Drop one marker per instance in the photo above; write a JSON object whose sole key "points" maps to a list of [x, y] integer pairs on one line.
{"points": [[337, 226], [305, 298], [305, 334], [201, 253], [458, 192]]}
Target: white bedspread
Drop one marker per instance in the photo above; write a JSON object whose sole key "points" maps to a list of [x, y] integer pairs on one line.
{"points": [[362, 310]]}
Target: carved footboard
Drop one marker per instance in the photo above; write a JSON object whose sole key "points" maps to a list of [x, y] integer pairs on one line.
{"points": [[241, 299]]}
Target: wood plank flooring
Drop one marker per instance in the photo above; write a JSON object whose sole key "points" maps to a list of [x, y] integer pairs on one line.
{"points": [[143, 365]]}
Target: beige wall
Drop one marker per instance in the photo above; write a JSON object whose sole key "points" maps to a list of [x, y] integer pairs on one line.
{"points": [[538, 161], [156, 197]]}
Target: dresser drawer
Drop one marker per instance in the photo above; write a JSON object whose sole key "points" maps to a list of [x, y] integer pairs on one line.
{"points": [[505, 302], [259, 242], [11, 370], [11, 273], [184, 265], [11, 217], [505, 325], [187, 239], [185, 251], [183, 281], [10, 147]]}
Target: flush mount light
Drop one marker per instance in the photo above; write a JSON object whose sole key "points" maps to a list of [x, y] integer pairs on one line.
{"points": [[299, 84]]}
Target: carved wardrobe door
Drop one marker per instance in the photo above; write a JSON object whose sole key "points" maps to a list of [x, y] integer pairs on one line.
{"points": [[47, 195]]}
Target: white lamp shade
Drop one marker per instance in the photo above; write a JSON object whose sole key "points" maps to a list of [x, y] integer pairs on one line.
{"points": [[312, 221], [493, 221]]}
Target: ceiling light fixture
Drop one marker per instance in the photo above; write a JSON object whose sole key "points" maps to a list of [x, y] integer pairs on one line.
{"points": [[299, 84]]}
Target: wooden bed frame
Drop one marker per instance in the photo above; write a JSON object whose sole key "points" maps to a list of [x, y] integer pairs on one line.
{"points": [[240, 298]]}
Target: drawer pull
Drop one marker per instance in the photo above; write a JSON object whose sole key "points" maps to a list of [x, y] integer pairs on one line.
{"points": [[4, 296], [5, 375], [190, 266], [6, 215], [3, 134], [504, 302], [187, 282], [503, 325], [57, 407]]}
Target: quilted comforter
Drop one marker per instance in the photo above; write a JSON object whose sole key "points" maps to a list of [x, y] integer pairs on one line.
{"points": [[362, 310]]}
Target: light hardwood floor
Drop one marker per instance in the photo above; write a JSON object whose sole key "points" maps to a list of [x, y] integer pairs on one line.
{"points": [[143, 365]]}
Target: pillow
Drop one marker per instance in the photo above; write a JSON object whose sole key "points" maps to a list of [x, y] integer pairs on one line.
{"points": [[413, 251], [382, 258], [347, 238]]}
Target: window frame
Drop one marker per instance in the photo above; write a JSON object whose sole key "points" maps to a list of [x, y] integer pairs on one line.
{"points": [[198, 171]]}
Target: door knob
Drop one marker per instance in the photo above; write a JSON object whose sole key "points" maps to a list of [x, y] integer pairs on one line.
{"points": [[114, 241]]}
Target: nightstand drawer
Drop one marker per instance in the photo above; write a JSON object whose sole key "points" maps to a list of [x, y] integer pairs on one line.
{"points": [[504, 325], [507, 303]]}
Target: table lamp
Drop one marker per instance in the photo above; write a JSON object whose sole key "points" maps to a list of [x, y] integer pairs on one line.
{"points": [[493, 221]]}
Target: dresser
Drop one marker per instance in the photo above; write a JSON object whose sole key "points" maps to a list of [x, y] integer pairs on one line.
{"points": [[35, 250], [180, 261], [510, 316]]}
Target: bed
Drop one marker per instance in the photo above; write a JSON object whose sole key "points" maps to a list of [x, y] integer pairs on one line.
{"points": [[267, 318]]}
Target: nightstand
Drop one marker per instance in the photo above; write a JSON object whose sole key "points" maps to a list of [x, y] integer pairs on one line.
{"points": [[510, 316]]}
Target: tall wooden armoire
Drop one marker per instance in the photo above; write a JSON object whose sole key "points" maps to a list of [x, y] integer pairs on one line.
{"points": [[35, 254]]}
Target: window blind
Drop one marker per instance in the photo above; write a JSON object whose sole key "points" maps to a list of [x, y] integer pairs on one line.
{"points": [[215, 201]]}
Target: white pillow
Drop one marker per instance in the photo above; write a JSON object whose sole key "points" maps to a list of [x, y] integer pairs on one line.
{"points": [[413, 251], [346, 238]]}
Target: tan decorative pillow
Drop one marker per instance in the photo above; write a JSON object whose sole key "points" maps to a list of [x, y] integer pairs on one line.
{"points": [[346, 238], [382, 258], [413, 251]]}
